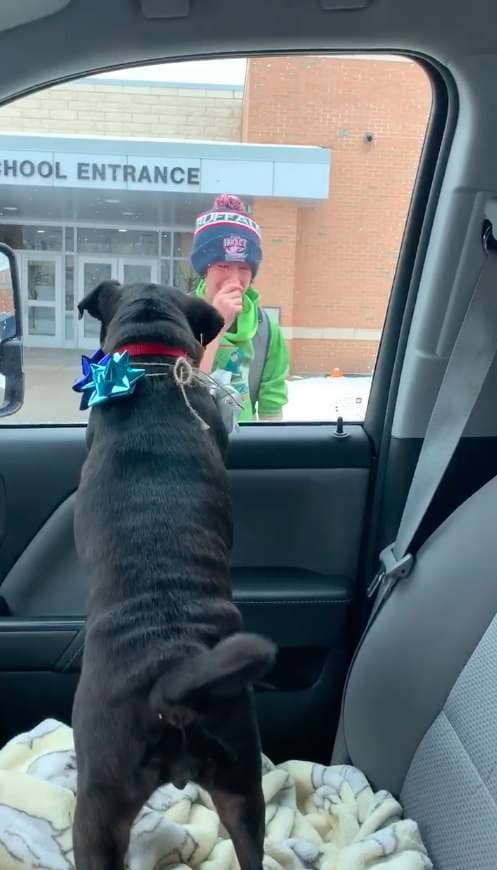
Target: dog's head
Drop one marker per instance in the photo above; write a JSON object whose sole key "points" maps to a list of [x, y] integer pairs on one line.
{"points": [[151, 312]]}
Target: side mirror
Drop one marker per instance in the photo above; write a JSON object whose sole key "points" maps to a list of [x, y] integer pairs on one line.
{"points": [[11, 371]]}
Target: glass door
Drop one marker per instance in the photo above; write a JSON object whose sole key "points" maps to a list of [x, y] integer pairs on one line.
{"points": [[137, 271], [42, 291], [92, 271], [95, 269]]}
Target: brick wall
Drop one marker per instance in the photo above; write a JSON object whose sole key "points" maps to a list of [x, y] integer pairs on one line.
{"points": [[6, 300], [278, 220], [6, 294], [129, 110], [321, 356], [345, 248]]}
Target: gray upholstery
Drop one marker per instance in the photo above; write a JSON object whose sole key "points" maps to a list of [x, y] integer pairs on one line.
{"points": [[451, 785], [420, 708]]}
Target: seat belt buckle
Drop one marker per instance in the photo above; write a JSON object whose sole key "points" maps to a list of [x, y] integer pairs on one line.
{"points": [[391, 570]]}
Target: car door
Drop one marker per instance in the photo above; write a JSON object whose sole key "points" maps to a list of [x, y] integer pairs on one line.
{"points": [[293, 570], [302, 486]]}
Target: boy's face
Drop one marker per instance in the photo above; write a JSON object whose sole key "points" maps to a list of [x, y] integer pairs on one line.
{"points": [[220, 274]]}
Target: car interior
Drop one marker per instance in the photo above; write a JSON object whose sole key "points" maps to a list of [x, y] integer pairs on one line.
{"points": [[406, 691]]}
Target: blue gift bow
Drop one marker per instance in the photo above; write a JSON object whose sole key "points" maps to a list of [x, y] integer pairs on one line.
{"points": [[105, 377]]}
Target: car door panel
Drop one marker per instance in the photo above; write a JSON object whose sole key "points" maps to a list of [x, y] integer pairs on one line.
{"points": [[299, 497]]}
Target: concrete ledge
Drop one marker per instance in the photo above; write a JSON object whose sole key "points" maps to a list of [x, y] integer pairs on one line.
{"points": [[333, 333]]}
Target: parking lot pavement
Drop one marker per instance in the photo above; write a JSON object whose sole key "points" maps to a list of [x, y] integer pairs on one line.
{"points": [[48, 397]]}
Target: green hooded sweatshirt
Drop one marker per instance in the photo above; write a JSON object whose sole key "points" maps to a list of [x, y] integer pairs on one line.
{"points": [[236, 352]]}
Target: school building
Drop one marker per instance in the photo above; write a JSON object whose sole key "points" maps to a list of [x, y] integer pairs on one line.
{"points": [[103, 178]]}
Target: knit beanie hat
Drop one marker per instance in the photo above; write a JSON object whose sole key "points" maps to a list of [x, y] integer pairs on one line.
{"points": [[226, 234]]}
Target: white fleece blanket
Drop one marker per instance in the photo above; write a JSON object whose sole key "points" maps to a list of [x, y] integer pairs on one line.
{"points": [[318, 818]]}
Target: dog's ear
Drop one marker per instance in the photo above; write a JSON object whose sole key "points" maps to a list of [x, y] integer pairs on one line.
{"points": [[101, 302], [204, 320]]}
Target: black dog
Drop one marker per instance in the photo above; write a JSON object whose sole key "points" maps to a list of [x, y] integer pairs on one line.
{"points": [[164, 694]]}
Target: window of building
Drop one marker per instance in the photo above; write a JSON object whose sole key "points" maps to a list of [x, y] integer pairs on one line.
{"points": [[166, 244], [69, 299], [101, 240], [40, 237], [69, 238], [323, 151]]}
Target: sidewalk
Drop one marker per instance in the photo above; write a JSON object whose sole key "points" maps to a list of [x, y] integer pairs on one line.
{"points": [[48, 397]]}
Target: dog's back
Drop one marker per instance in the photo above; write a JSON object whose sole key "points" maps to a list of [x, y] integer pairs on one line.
{"points": [[163, 694], [153, 526]]}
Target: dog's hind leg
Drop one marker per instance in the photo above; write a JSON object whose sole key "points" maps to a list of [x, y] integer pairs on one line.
{"points": [[113, 780], [233, 778], [101, 832], [243, 818]]}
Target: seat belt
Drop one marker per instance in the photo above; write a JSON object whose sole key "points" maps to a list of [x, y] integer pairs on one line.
{"points": [[472, 355], [260, 344]]}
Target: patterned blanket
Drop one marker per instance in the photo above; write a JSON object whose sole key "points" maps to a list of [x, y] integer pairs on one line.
{"points": [[317, 817]]}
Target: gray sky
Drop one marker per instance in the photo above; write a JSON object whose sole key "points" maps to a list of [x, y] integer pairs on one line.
{"points": [[223, 72]]}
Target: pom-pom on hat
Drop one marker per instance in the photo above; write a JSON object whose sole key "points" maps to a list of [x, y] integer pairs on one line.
{"points": [[226, 234]]}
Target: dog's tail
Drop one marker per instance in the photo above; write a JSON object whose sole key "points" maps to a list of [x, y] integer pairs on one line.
{"points": [[223, 671]]}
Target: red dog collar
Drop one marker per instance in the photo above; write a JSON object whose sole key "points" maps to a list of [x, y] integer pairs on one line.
{"points": [[152, 348]]}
